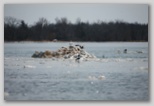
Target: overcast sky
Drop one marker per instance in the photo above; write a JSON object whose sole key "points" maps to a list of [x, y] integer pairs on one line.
{"points": [[30, 13]]}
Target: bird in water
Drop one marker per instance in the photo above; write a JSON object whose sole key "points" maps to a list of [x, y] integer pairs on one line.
{"points": [[78, 58], [125, 50]]}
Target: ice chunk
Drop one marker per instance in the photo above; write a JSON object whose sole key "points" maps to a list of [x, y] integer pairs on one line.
{"points": [[29, 66], [101, 77]]}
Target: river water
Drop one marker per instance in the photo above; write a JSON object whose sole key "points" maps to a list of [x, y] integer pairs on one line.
{"points": [[113, 76]]}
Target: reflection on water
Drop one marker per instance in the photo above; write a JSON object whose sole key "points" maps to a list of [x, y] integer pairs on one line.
{"points": [[117, 76]]}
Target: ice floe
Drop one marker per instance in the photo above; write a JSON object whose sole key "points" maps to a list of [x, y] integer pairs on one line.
{"points": [[75, 52]]}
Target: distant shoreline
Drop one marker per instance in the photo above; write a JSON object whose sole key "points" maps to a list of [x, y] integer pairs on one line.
{"points": [[70, 41]]}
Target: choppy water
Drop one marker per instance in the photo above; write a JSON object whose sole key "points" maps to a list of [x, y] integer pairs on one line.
{"points": [[124, 76]]}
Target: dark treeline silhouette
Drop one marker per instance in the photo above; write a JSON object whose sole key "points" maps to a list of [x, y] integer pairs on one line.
{"points": [[63, 30]]}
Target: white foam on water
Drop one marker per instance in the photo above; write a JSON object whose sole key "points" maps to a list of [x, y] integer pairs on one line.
{"points": [[92, 78], [92, 83], [29, 66], [97, 91], [143, 68], [129, 59], [101, 77], [6, 94]]}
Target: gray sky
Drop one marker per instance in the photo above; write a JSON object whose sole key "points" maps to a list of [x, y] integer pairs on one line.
{"points": [[30, 13]]}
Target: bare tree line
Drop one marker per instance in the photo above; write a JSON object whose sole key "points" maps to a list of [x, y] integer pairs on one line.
{"points": [[64, 30]]}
